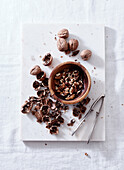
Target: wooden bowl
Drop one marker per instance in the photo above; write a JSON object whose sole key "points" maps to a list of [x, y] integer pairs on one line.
{"points": [[87, 81]]}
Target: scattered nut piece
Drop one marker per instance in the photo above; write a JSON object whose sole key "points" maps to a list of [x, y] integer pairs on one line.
{"points": [[41, 93], [73, 44], [54, 130], [83, 109], [62, 44], [36, 85], [71, 122], [44, 110], [63, 33], [26, 108], [41, 76], [35, 70], [86, 54], [45, 82], [60, 119], [87, 100], [38, 116], [70, 97], [86, 154], [46, 118], [76, 112], [80, 116], [74, 53], [47, 59]]}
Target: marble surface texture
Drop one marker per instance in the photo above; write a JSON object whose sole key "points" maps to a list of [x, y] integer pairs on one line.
{"points": [[38, 40]]}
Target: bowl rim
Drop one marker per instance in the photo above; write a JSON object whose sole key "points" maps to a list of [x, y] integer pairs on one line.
{"points": [[76, 100]]}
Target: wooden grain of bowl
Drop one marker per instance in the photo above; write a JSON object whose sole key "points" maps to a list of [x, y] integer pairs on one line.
{"points": [[87, 81]]}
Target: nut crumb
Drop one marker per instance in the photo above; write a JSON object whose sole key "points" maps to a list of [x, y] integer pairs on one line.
{"points": [[94, 67], [55, 38], [61, 56], [94, 82], [32, 58], [40, 56], [86, 154]]}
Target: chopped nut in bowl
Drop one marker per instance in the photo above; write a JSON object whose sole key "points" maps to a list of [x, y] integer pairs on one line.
{"points": [[69, 82]]}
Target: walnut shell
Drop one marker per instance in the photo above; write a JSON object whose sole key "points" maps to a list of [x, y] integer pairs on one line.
{"points": [[86, 54], [35, 70], [73, 44], [63, 33], [47, 59], [62, 44], [41, 76]]}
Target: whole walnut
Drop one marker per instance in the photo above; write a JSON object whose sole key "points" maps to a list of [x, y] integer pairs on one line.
{"points": [[73, 44], [62, 44], [35, 70], [63, 33], [86, 54]]}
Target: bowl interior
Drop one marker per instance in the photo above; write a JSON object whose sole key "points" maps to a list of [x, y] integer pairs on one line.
{"points": [[82, 71]]}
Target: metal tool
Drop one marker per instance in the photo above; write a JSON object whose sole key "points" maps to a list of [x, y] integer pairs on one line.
{"points": [[88, 113]]}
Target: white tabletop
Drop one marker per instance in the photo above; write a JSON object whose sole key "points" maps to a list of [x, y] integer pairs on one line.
{"points": [[14, 154]]}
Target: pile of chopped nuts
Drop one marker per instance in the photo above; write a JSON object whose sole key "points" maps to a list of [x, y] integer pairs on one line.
{"points": [[71, 45], [68, 84]]}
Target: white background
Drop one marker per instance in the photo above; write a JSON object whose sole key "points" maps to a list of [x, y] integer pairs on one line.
{"points": [[15, 154]]}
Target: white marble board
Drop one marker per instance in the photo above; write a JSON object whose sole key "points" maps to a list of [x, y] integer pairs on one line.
{"points": [[39, 39]]}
